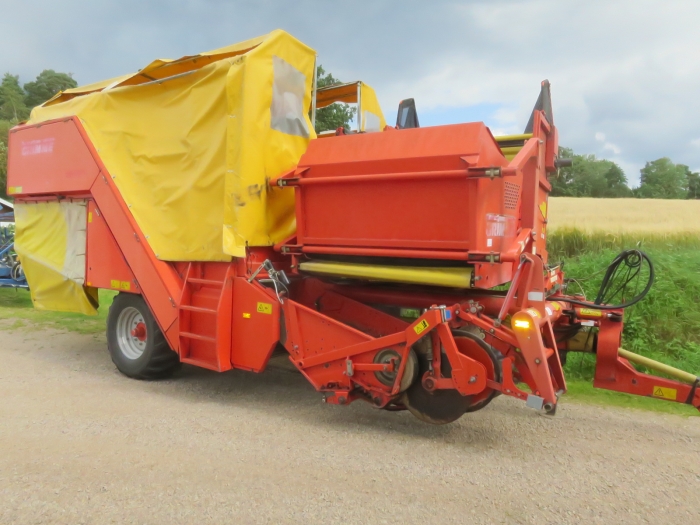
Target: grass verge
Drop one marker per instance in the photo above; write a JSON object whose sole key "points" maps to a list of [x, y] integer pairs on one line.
{"points": [[581, 391], [16, 304]]}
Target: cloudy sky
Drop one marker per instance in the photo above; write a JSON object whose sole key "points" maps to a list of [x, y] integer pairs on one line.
{"points": [[625, 74]]}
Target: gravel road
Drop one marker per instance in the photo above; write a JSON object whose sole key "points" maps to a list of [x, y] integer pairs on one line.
{"points": [[82, 444]]}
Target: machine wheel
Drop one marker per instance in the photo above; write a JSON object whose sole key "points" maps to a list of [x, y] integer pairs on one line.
{"points": [[440, 406], [137, 346], [410, 372], [473, 346]]}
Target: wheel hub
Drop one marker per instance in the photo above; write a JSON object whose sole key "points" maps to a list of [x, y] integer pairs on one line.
{"points": [[131, 333], [139, 332], [388, 377]]}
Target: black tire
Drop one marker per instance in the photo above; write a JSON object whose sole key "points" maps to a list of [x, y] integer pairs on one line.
{"points": [[149, 357]]}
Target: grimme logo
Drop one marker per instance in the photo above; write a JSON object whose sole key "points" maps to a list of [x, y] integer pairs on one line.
{"points": [[37, 147]]}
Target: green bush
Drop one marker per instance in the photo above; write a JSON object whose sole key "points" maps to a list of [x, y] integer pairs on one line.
{"points": [[666, 324]]}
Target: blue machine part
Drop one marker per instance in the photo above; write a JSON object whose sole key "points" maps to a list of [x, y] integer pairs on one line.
{"points": [[11, 274]]}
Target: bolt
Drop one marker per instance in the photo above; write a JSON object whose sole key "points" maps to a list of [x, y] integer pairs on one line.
{"points": [[537, 361], [429, 384], [472, 379]]}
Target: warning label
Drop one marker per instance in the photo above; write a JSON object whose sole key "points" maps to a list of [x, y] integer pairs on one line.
{"points": [[264, 308], [420, 327], [665, 393]]}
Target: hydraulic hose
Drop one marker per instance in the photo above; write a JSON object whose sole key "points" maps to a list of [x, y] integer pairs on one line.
{"points": [[631, 262]]}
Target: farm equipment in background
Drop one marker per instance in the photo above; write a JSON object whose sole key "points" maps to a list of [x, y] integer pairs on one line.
{"points": [[407, 267], [11, 274]]}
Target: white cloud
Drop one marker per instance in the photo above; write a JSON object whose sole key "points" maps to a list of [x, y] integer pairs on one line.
{"points": [[609, 146], [628, 67]]}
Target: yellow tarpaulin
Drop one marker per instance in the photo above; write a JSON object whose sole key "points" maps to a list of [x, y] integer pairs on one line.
{"points": [[372, 116], [192, 143], [50, 239]]}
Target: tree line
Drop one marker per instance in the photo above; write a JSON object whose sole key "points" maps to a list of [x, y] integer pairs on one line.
{"points": [[588, 177], [593, 177]]}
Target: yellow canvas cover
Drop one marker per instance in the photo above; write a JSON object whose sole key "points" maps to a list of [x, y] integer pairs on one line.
{"points": [[371, 111], [50, 239], [192, 143], [355, 93]]}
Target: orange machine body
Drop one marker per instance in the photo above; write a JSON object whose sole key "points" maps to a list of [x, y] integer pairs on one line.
{"points": [[443, 195]]}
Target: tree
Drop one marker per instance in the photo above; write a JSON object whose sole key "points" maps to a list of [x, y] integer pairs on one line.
{"points": [[589, 177], [5, 126], [12, 106], [46, 85], [337, 114], [617, 182], [662, 179], [693, 184]]}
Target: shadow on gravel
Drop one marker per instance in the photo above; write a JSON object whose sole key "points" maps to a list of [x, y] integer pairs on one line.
{"points": [[279, 392]]}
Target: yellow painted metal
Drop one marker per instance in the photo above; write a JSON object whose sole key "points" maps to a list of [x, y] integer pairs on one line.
{"points": [[450, 277], [513, 138], [511, 150], [676, 373]]}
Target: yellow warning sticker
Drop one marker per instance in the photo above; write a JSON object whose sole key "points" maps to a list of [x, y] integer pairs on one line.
{"points": [[89, 216], [246, 315], [14, 189], [665, 393], [543, 209], [420, 327], [120, 285], [264, 308], [591, 312]]}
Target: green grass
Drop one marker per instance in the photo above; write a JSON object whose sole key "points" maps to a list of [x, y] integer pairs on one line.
{"points": [[581, 391], [665, 326], [16, 304]]}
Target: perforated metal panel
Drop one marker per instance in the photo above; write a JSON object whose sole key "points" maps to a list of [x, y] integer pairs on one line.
{"points": [[511, 195]]}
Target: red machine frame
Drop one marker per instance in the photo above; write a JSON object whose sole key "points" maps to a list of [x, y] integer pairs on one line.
{"points": [[225, 315]]}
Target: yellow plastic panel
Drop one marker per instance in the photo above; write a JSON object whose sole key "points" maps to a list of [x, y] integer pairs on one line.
{"points": [[50, 241]]}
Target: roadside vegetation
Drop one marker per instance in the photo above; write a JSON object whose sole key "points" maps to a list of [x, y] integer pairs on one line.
{"points": [[16, 312], [664, 326]]}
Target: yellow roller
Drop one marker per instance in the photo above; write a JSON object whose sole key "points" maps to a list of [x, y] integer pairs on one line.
{"points": [[686, 377], [512, 138], [451, 277], [512, 144]]}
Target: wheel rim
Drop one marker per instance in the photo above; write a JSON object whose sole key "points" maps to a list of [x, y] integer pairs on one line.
{"points": [[131, 333]]}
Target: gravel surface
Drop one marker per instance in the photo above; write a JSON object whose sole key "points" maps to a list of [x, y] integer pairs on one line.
{"points": [[82, 444]]}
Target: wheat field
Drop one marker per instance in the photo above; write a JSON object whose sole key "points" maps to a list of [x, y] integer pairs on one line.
{"points": [[650, 216]]}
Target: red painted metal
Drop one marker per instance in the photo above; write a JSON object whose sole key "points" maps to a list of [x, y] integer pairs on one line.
{"points": [[444, 193], [254, 325], [106, 266], [49, 158]]}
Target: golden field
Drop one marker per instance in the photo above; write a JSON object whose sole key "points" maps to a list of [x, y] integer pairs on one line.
{"points": [[650, 216]]}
